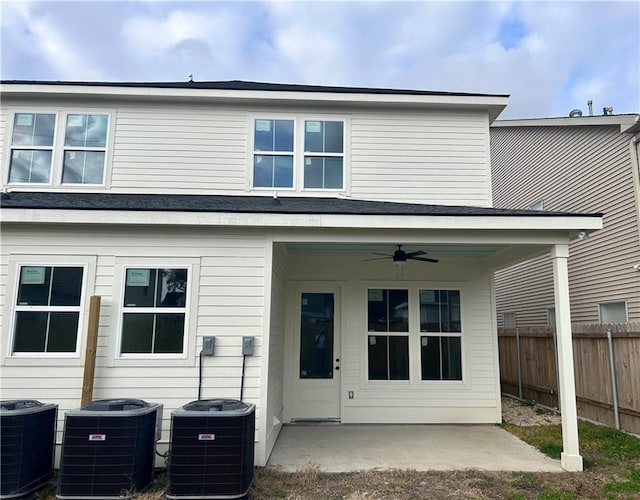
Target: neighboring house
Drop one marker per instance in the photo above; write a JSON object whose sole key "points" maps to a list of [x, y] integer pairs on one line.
{"points": [[584, 164], [235, 209]]}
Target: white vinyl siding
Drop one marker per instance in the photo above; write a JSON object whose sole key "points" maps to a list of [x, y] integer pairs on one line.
{"points": [[275, 396], [473, 400], [541, 162], [229, 280], [436, 156]]}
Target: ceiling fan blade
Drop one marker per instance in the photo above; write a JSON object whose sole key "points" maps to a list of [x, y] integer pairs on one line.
{"points": [[379, 258], [384, 254], [413, 254], [423, 259]]}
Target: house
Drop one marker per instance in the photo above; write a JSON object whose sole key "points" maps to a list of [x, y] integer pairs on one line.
{"points": [[578, 164], [349, 231]]}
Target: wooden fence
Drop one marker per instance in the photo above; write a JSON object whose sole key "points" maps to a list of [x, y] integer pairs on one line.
{"points": [[528, 369]]}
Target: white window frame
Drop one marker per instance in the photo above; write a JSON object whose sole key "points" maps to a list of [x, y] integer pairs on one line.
{"points": [[299, 154], [406, 334], [58, 148], [504, 319], [440, 335], [187, 310], [16, 263], [415, 381], [551, 314], [611, 302]]}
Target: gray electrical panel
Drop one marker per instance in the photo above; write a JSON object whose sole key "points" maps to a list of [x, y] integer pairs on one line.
{"points": [[208, 344], [247, 346]]}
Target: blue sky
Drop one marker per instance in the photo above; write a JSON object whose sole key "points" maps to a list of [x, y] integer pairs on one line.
{"points": [[550, 57]]}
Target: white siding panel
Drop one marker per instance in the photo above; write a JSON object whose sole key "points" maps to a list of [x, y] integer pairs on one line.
{"points": [[228, 305], [473, 400], [275, 397], [433, 157], [581, 169]]}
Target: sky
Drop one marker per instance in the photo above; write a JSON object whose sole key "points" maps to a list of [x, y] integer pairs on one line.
{"points": [[551, 57]]}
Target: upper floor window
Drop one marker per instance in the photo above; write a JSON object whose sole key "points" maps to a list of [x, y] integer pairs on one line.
{"points": [[47, 310], [58, 148], [286, 150]]}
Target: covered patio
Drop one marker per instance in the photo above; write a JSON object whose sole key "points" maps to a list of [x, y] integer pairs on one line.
{"points": [[353, 447]]}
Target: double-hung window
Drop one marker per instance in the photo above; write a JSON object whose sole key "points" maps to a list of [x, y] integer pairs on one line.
{"points": [[440, 335], [32, 148], [56, 148], [154, 311], [388, 334], [323, 154], [298, 153], [47, 310]]}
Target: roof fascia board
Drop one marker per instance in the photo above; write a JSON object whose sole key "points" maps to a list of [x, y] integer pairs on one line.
{"points": [[575, 222], [626, 122], [494, 103]]}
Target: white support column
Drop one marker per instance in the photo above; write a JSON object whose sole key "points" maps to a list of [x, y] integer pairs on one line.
{"points": [[570, 458]]}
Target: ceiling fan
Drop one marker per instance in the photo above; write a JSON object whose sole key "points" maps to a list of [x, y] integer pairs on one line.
{"points": [[399, 257]]}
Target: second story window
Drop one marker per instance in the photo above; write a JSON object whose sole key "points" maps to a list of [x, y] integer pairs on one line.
{"points": [[273, 153], [58, 148], [32, 148], [85, 143], [298, 154], [323, 154]]}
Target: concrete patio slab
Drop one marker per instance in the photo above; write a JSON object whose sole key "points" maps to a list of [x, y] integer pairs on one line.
{"points": [[346, 448]]}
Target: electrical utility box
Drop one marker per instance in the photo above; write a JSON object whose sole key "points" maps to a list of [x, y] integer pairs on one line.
{"points": [[247, 346], [208, 344]]}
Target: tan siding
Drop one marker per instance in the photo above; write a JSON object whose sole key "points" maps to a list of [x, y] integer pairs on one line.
{"points": [[582, 169], [436, 157]]}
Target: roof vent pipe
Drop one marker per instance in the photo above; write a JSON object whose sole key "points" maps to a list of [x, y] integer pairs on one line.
{"points": [[590, 104], [607, 111]]}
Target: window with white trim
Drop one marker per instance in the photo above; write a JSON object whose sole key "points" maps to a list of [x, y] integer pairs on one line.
{"points": [[54, 148], [440, 354], [388, 334], [613, 312], [154, 311], [47, 309], [298, 153]]}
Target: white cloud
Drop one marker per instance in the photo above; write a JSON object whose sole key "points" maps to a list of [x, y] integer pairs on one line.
{"points": [[52, 45], [558, 52]]}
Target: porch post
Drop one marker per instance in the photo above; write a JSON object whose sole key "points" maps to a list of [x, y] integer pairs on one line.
{"points": [[570, 458]]}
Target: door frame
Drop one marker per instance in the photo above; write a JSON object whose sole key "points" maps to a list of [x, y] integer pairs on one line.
{"points": [[293, 293]]}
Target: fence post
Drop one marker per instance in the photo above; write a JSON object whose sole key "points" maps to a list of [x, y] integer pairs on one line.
{"points": [[555, 359], [614, 385], [519, 366]]}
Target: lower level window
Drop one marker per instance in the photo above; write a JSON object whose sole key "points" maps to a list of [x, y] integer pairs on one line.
{"points": [[388, 357], [47, 310], [441, 358], [154, 311]]}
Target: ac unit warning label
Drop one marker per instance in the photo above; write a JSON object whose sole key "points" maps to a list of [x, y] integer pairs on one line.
{"points": [[206, 437], [97, 437]]}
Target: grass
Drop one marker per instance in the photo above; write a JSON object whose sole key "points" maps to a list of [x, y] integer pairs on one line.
{"points": [[612, 460]]}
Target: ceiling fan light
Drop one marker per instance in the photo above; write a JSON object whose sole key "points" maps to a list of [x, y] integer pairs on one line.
{"points": [[400, 262]]}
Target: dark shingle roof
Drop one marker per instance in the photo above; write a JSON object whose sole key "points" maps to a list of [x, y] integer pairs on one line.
{"points": [[246, 204], [251, 86]]}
